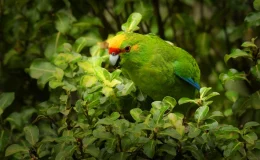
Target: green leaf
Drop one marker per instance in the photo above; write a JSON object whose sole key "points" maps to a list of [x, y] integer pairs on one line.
{"points": [[31, 134], [120, 127], [88, 21], [149, 148], [255, 70], [4, 139], [15, 148], [232, 148], [255, 100], [176, 119], [156, 105], [213, 94], [115, 74], [114, 116], [44, 6], [186, 100], [170, 101], [65, 60], [193, 131], [55, 84], [257, 144], [92, 150], [126, 89], [88, 81], [170, 149], [89, 140], [141, 96], [216, 114], [102, 133], [253, 19], [229, 128], [201, 113], [253, 155], [248, 44], [241, 104], [196, 153], [232, 95], [44, 71], [250, 137], [232, 74], [69, 86], [209, 124], [10, 56], [66, 152], [107, 91], [227, 132], [82, 42], [235, 54], [6, 99], [53, 110], [64, 48], [204, 91], [110, 145], [132, 22], [136, 114], [92, 65], [158, 111], [15, 120], [64, 21], [250, 124], [170, 132], [53, 44], [257, 5]]}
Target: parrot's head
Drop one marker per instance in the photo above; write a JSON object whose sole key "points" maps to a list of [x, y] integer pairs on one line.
{"points": [[124, 47]]}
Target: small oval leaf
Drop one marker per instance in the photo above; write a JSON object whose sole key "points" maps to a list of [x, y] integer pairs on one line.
{"points": [[15, 148], [6, 99], [31, 134], [201, 113], [149, 148], [136, 113], [132, 22], [235, 54]]}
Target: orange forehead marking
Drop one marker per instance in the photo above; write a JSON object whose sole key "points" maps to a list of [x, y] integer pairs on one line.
{"points": [[134, 47], [115, 42]]}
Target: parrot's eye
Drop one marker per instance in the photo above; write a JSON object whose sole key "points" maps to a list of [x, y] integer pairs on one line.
{"points": [[127, 48]]}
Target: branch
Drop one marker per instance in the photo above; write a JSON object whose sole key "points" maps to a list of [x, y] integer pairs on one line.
{"points": [[159, 18], [225, 28]]}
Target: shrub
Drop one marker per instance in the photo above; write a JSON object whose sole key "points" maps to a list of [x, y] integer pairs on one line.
{"points": [[85, 109]]}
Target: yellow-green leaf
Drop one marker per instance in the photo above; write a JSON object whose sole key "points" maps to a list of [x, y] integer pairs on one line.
{"points": [[15, 148]]}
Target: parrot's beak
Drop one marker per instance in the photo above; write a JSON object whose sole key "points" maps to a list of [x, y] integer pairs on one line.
{"points": [[114, 55], [113, 59]]}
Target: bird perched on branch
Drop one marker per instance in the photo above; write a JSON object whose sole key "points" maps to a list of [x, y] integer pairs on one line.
{"points": [[157, 67]]}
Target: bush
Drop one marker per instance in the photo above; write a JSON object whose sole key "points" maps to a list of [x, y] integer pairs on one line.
{"points": [[60, 98]]}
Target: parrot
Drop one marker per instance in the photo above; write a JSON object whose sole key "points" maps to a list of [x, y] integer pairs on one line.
{"points": [[157, 67]]}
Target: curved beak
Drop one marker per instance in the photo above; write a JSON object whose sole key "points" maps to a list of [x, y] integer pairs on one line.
{"points": [[114, 55], [113, 58]]}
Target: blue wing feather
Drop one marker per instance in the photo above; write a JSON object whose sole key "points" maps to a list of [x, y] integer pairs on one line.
{"points": [[190, 81]]}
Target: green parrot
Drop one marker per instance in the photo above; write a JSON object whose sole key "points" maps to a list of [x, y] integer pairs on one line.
{"points": [[157, 67]]}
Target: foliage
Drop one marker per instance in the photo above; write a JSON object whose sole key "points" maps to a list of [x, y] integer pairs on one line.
{"points": [[60, 99]]}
